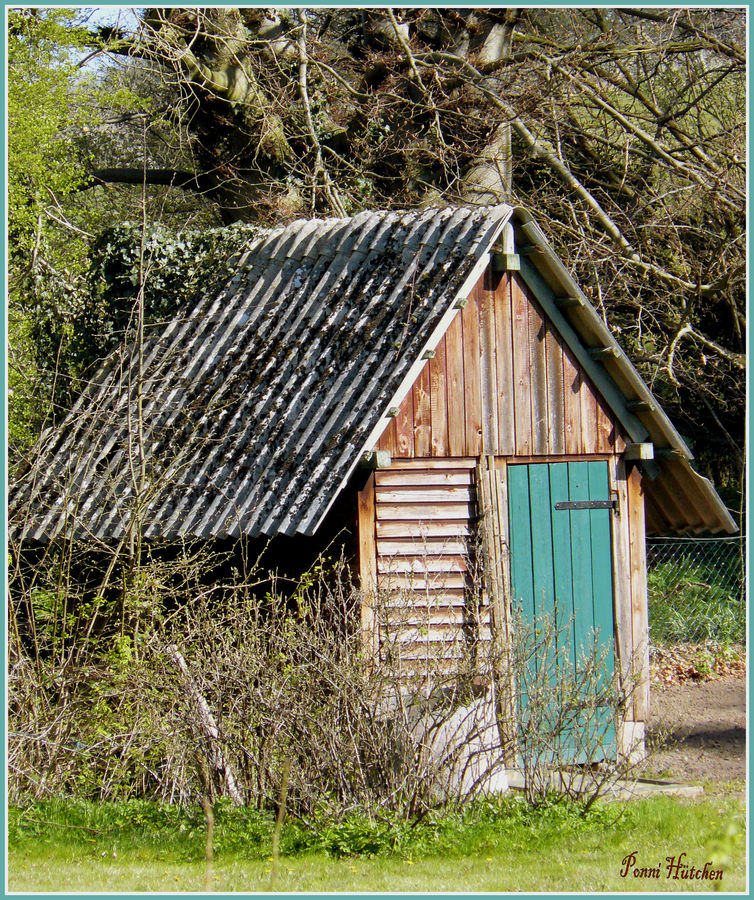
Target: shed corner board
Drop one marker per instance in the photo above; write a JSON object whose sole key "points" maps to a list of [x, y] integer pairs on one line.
{"points": [[367, 561]]}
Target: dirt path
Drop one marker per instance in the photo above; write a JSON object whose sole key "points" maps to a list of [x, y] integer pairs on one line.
{"points": [[697, 729]]}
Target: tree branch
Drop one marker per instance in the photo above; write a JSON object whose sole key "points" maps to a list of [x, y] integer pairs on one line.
{"points": [[725, 49], [539, 151], [168, 177], [331, 193], [416, 78], [736, 359], [682, 167]]}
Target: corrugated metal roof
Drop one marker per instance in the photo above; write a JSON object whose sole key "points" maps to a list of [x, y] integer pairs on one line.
{"points": [[258, 403]]}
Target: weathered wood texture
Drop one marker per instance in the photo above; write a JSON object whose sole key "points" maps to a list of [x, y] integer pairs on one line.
{"points": [[368, 566], [502, 382], [429, 614], [492, 504], [638, 580], [562, 578], [629, 548], [622, 583]]}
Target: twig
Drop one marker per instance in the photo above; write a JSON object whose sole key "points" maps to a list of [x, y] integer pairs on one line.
{"points": [[416, 77], [564, 173], [64, 825], [208, 726]]}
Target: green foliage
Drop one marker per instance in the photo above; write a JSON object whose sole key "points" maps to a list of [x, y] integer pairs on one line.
{"points": [[356, 835], [246, 832], [70, 328], [450, 831], [52, 104], [135, 824], [174, 266], [45, 108], [26, 409], [525, 849]]}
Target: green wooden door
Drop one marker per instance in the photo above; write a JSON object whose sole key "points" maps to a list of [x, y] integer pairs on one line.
{"points": [[562, 584]]}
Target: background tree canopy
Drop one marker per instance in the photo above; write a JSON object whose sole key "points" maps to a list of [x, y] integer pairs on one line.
{"points": [[622, 130]]}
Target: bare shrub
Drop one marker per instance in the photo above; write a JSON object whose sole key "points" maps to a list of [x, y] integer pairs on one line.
{"points": [[569, 711], [222, 693], [218, 695]]}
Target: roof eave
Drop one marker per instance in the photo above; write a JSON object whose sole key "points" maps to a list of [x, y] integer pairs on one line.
{"points": [[702, 508], [585, 320]]}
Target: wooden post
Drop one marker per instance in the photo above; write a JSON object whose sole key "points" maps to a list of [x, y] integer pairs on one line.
{"points": [[639, 612], [623, 594], [368, 569], [209, 847], [493, 514]]}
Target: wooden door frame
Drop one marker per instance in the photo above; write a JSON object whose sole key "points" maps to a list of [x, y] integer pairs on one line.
{"points": [[629, 585], [632, 608]]}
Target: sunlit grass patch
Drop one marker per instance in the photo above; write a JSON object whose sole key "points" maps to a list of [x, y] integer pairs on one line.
{"points": [[496, 845]]}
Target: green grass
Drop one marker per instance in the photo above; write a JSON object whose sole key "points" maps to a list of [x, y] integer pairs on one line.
{"points": [[693, 602], [496, 846]]}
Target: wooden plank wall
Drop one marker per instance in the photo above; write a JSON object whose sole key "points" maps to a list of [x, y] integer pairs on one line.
{"points": [[424, 522], [502, 382]]}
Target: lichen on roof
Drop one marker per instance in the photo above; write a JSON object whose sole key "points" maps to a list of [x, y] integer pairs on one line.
{"points": [[259, 399]]}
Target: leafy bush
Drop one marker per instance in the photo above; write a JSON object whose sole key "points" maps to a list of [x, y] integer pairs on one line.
{"points": [[69, 328]]}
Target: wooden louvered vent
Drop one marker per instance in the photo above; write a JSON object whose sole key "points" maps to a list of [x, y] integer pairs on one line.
{"points": [[425, 521]]}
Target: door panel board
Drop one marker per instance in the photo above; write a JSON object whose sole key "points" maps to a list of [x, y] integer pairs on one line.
{"points": [[561, 567]]}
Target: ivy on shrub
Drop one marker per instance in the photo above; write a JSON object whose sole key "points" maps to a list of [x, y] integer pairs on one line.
{"points": [[76, 326]]}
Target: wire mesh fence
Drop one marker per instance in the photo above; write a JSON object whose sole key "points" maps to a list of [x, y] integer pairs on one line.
{"points": [[696, 590]]}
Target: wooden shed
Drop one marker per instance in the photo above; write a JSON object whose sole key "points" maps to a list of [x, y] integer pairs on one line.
{"points": [[452, 354]]}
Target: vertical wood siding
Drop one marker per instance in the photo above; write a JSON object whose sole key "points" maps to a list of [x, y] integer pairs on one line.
{"points": [[501, 382]]}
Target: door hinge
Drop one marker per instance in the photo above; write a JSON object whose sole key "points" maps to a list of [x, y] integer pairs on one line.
{"points": [[587, 504]]}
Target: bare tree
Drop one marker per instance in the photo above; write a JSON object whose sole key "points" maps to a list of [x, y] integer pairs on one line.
{"points": [[623, 130]]}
